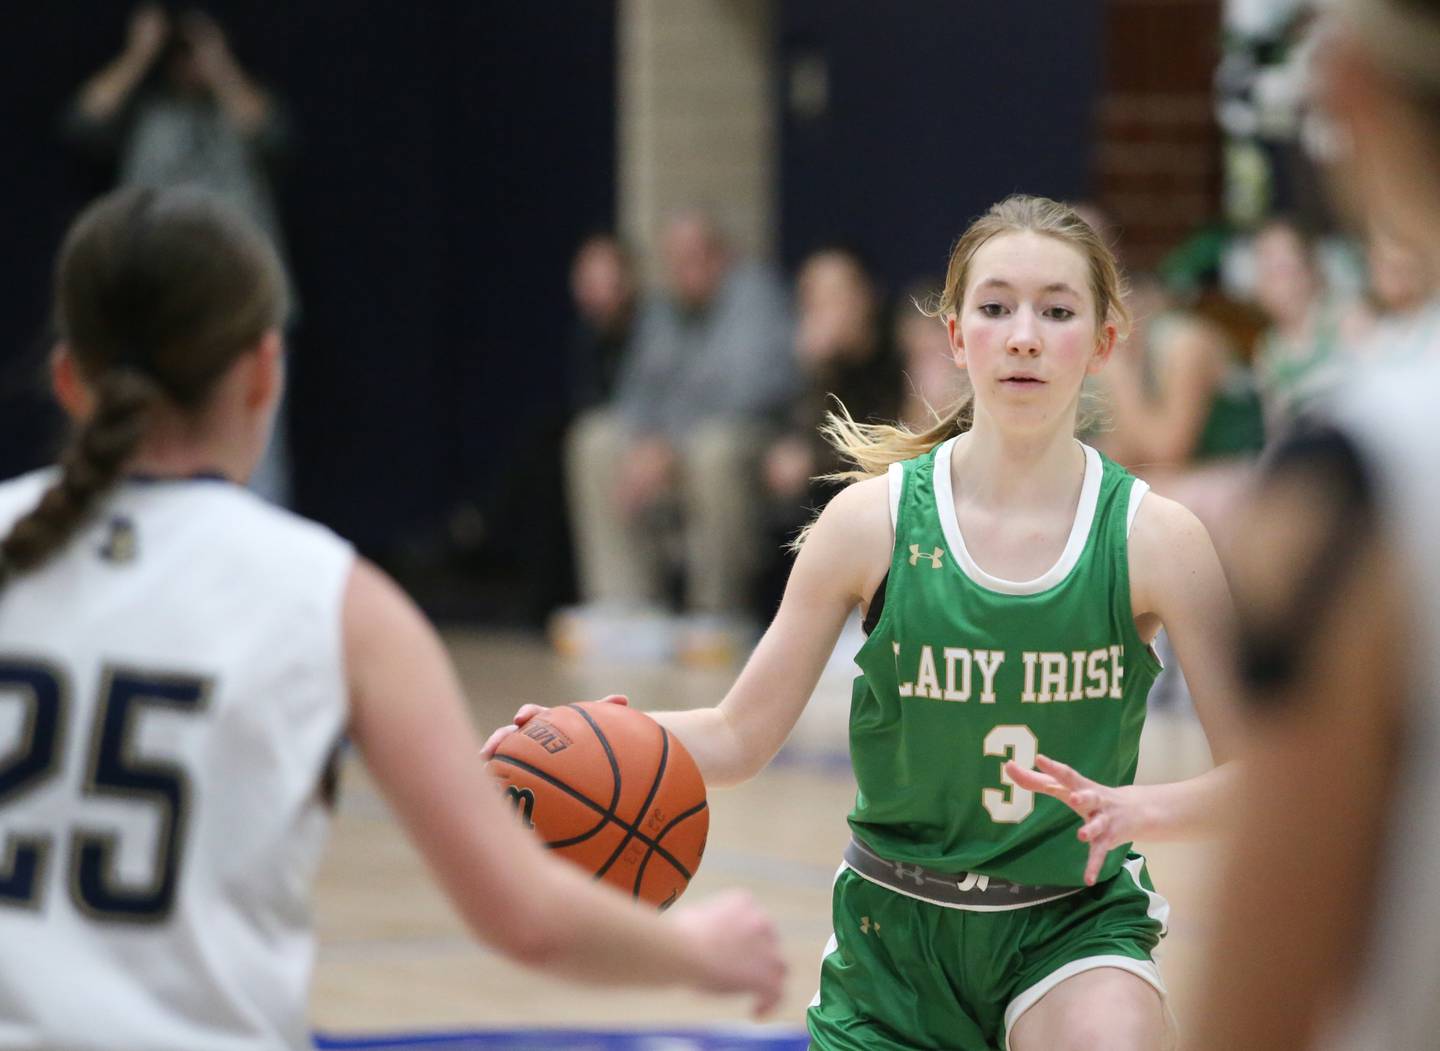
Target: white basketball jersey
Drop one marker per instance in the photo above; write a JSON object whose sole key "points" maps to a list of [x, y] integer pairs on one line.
{"points": [[1393, 422], [171, 690]]}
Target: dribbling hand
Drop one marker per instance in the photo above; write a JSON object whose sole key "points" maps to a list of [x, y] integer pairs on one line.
{"points": [[1112, 816], [736, 946], [523, 716]]}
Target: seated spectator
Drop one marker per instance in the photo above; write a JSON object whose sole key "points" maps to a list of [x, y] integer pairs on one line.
{"points": [[527, 511], [677, 452], [931, 383], [842, 347], [1401, 313], [1178, 392], [1299, 361], [602, 285]]}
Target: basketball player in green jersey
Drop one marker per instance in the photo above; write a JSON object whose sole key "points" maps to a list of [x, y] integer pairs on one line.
{"points": [[1011, 580]]}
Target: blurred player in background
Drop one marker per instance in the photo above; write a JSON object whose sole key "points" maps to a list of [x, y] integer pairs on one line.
{"points": [[1328, 934], [178, 662], [1011, 580]]}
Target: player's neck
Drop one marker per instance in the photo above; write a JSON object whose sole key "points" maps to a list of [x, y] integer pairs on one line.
{"points": [[1007, 470], [174, 451]]}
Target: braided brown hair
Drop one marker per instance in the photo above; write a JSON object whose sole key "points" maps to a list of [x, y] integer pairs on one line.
{"points": [[157, 293]]}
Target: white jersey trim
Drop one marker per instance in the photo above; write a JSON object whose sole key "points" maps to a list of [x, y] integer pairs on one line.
{"points": [[1138, 489], [1158, 909], [1142, 969], [896, 477], [1074, 547], [833, 944]]}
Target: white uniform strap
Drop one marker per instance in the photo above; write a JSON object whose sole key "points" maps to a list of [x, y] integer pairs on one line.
{"points": [[1138, 489], [896, 475]]}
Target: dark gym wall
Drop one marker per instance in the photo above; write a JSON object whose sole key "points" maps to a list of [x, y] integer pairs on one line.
{"points": [[449, 156], [935, 109]]}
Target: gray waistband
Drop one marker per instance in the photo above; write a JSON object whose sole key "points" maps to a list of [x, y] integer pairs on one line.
{"points": [[967, 890]]}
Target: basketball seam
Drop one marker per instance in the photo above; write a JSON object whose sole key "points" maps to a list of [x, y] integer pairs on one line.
{"points": [[609, 756], [587, 801], [656, 848], [644, 807]]}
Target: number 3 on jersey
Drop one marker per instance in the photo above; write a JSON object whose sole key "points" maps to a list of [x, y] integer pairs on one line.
{"points": [[1011, 804]]}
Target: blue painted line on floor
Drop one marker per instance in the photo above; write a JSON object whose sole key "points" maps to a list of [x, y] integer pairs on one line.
{"points": [[759, 1039]]}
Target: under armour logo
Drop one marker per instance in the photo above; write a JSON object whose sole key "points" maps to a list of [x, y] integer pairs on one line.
{"points": [[934, 556], [918, 875], [866, 926]]}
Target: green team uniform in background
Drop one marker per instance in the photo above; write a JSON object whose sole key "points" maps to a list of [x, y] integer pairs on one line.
{"points": [[962, 900]]}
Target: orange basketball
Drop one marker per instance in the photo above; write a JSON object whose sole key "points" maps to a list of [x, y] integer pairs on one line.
{"points": [[612, 790]]}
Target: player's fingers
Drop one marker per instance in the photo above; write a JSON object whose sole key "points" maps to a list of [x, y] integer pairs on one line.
{"points": [[526, 713], [1033, 781], [1062, 773], [1094, 830], [487, 750], [769, 997], [1094, 863], [615, 698], [1086, 801]]}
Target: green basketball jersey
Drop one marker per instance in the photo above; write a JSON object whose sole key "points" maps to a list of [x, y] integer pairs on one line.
{"points": [[964, 670]]}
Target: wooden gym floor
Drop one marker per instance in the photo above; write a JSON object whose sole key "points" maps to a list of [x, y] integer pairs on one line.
{"points": [[394, 957]]}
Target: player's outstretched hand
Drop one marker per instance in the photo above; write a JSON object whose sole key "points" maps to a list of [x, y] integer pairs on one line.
{"points": [[523, 716], [736, 946], [1111, 815]]}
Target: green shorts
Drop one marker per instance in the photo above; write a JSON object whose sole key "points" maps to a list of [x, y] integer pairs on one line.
{"points": [[901, 972]]}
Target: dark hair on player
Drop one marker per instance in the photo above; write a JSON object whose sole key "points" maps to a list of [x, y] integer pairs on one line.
{"points": [[157, 293]]}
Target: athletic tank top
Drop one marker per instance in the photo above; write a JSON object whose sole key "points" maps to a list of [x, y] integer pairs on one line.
{"points": [[1295, 379], [171, 691], [1391, 419], [1235, 424], [964, 670]]}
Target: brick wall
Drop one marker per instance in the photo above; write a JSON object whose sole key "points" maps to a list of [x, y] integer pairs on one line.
{"points": [[1157, 162]]}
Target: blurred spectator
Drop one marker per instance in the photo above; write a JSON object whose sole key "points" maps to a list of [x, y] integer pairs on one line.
{"points": [[528, 511], [175, 107], [697, 402], [1179, 394], [1401, 313], [1299, 359], [602, 285], [843, 349], [932, 382]]}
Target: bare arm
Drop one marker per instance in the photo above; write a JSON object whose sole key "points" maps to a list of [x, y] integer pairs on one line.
{"points": [[105, 93], [842, 562], [1315, 789], [1165, 427], [409, 721], [245, 103], [1177, 577], [1177, 580]]}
